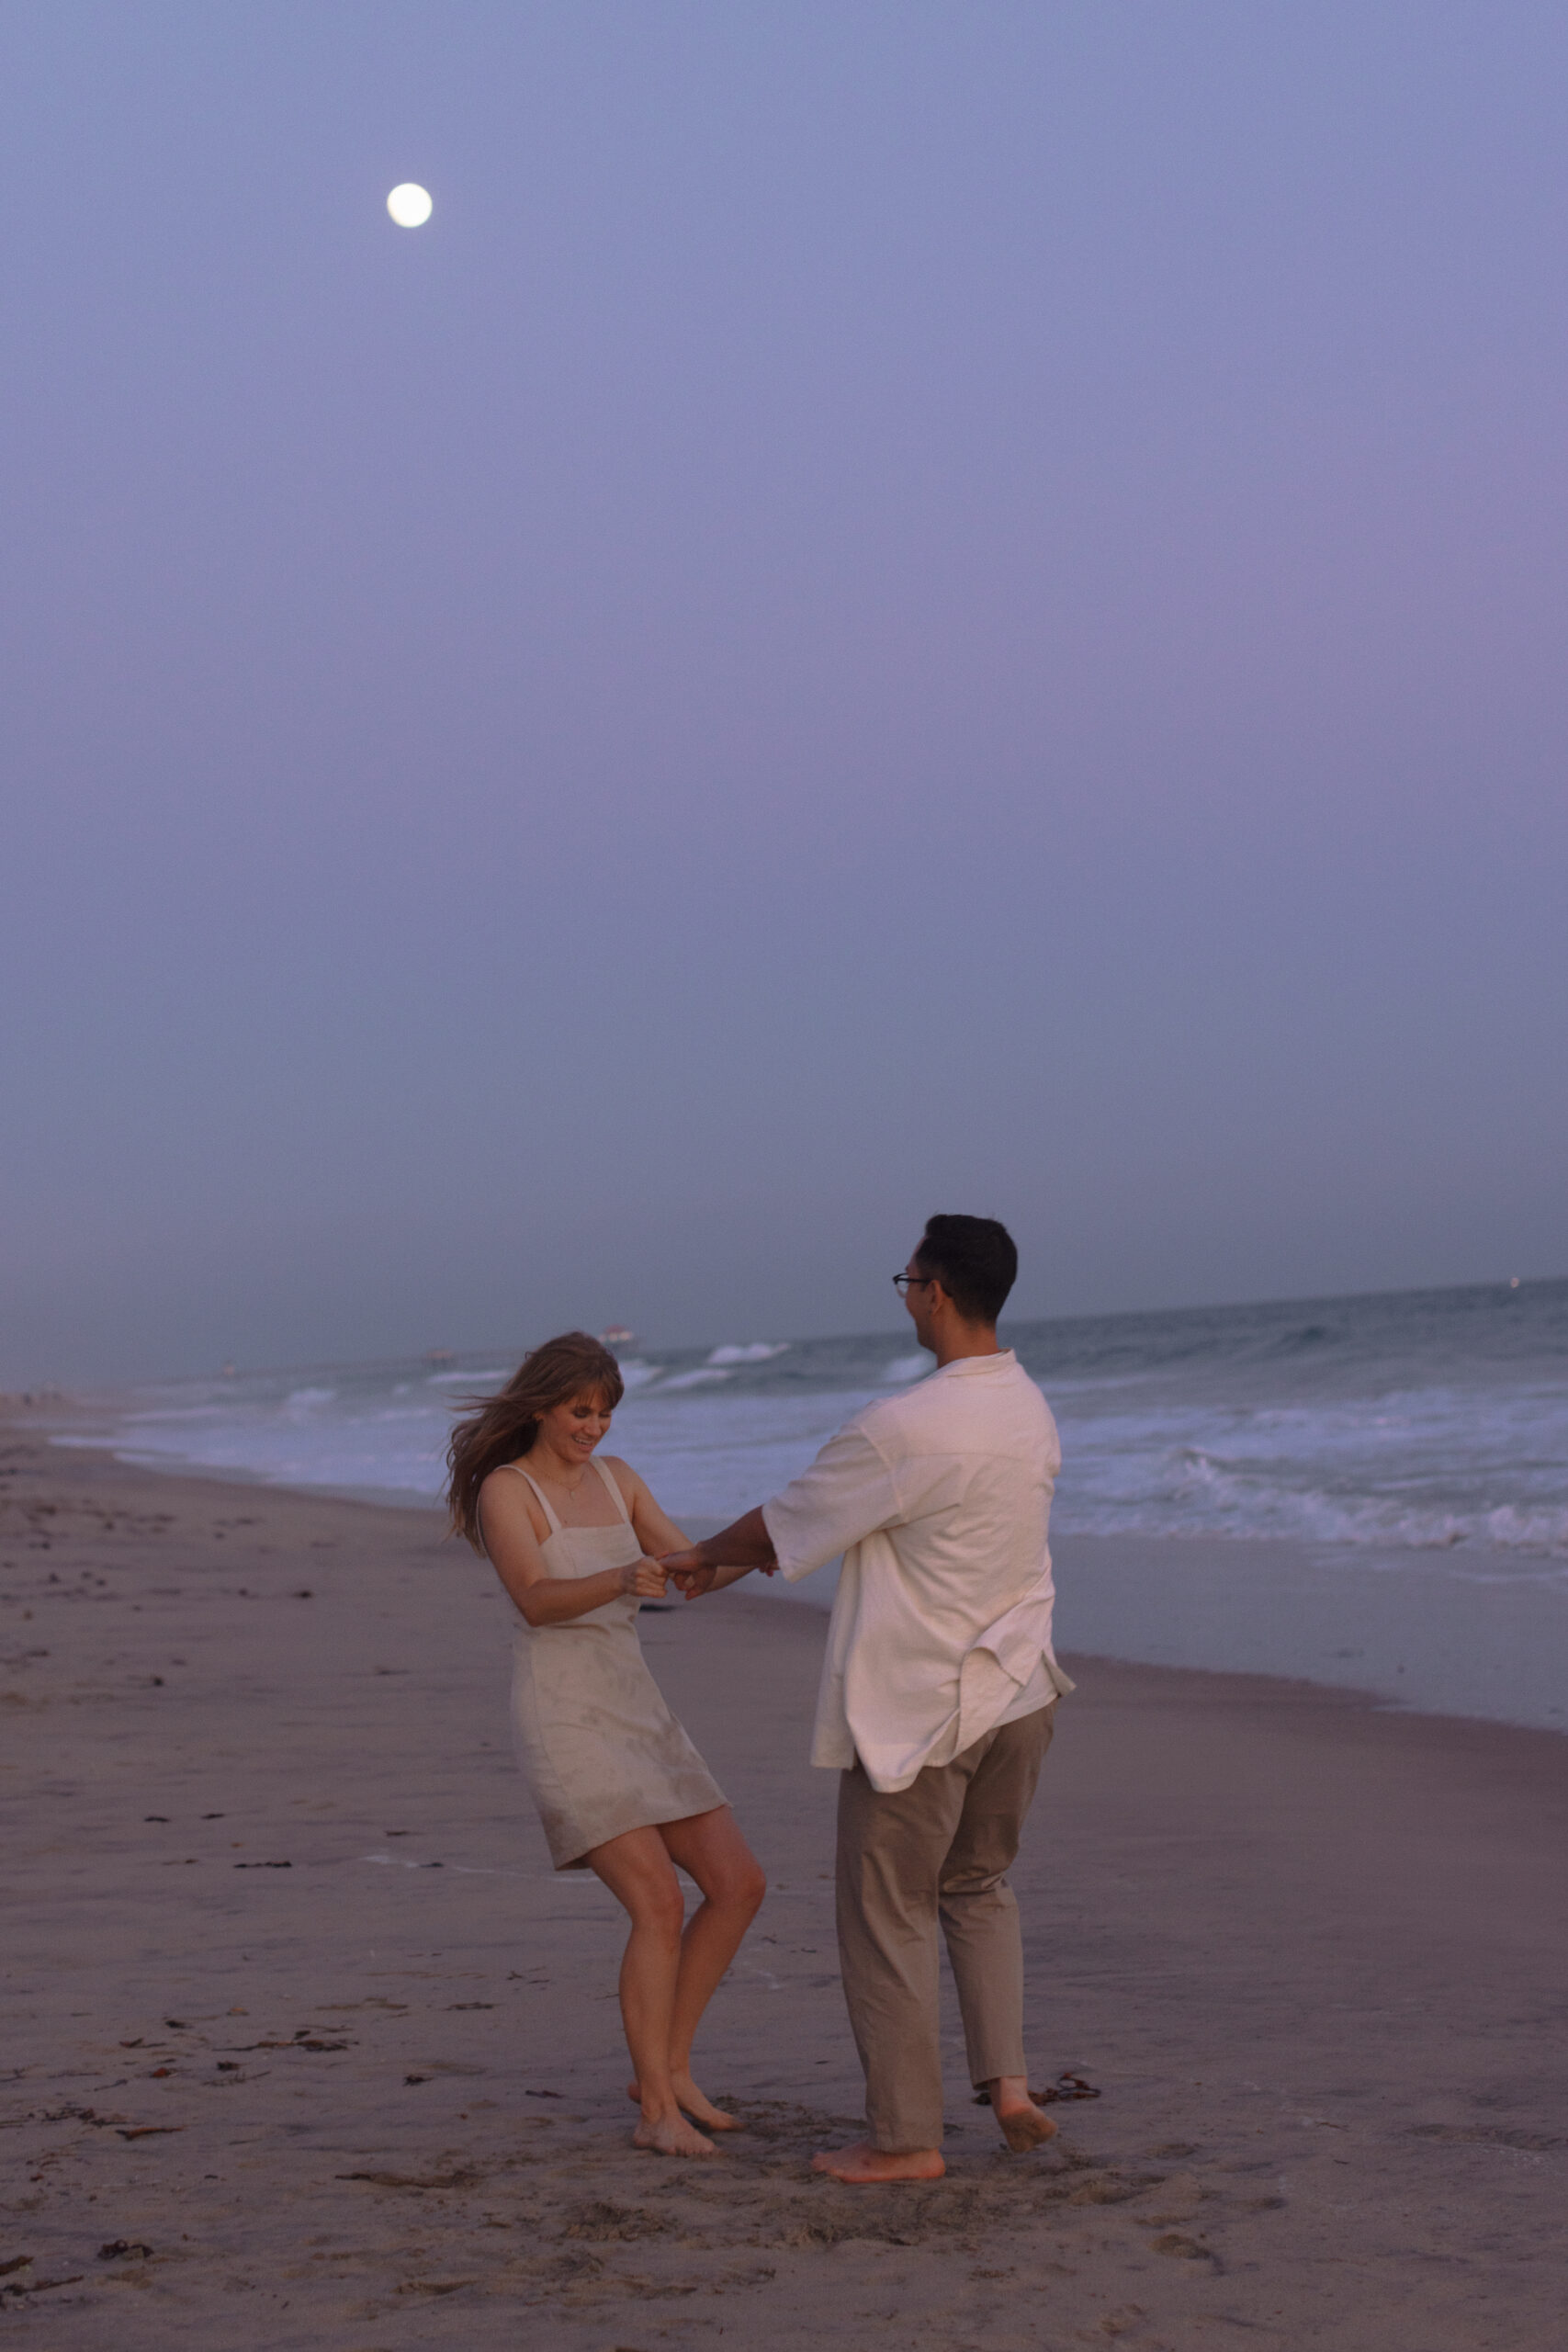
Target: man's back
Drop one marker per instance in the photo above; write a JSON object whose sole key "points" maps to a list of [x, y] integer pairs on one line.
{"points": [[940, 1500], [972, 1454]]}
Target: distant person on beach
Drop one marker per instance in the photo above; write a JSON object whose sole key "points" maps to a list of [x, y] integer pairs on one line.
{"points": [[620, 1788], [938, 1693]]}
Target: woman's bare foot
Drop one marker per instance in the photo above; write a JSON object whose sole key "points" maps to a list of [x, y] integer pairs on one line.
{"points": [[671, 2135], [1024, 2125], [863, 2164], [695, 2103]]}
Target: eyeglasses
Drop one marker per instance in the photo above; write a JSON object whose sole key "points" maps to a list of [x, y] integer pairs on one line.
{"points": [[903, 1283]]}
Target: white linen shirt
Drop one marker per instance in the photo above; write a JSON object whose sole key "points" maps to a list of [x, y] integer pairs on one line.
{"points": [[938, 1499]]}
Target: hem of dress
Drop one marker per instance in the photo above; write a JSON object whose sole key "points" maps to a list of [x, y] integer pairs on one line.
{"points": [[580, 1861]]}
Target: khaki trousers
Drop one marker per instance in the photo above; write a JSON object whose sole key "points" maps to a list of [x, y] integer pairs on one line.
{"points": [[937, 1849]]}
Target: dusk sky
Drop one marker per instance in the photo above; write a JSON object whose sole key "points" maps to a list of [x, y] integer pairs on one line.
{"points": [[892, 607]]}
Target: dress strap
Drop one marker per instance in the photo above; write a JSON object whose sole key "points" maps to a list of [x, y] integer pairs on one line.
{"points": [[615, 1495], [556, 1527]]}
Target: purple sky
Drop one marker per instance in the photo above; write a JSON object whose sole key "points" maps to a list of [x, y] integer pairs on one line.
{"points": [[893, 607]]}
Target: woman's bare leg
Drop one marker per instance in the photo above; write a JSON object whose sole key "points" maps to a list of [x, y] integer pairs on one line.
{"points": [[638, 1871], [710, 1848]]}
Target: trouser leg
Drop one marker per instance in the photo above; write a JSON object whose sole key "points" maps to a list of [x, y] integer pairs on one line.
{"points": [[979, 1910], [890, 1858]]}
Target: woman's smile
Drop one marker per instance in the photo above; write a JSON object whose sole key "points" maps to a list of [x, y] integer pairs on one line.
{"points": [[574, 1429]]}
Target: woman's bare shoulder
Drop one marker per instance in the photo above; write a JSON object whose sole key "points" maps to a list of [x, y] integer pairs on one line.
{"points": [[512, 1500], [625, 1477]]}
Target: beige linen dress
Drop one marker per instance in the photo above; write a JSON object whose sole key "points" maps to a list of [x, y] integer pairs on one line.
{"points": [[599, 1747]]}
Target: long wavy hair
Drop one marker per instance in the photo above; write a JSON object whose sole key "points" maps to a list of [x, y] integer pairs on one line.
{"points": [[501, 1428]]}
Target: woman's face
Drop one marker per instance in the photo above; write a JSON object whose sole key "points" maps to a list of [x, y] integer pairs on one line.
{"points": [[572, 1430]]}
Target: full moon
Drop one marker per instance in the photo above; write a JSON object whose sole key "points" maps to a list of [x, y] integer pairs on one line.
{"points": [[409, 205]]}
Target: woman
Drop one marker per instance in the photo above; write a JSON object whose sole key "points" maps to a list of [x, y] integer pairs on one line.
{"points": [[621, 1789]]}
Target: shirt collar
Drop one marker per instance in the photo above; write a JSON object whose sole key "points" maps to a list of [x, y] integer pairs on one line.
{"points": [[971, 1366]]}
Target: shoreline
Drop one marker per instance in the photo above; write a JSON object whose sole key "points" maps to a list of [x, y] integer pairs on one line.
{"points": [[1377, 1623], [304, 2022]]}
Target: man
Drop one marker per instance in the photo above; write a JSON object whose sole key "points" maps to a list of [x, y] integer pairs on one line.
{"points": [[938, 1691]]}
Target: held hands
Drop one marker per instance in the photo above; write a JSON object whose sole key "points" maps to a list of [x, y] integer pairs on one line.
{"points": [[691, 1572], [643, 1580], [696, 1575], [724, 1559]]}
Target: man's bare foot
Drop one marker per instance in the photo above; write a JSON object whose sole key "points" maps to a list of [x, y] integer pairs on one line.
{"points": [[695, 2103], [863, 2164], [671, 2136], [1024, 2125]]}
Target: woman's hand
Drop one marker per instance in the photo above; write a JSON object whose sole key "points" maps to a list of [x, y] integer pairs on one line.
{"points": [[643, 1580]]}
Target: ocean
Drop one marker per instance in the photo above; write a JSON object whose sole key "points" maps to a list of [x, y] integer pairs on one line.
{"points": [[1423, 1432]]}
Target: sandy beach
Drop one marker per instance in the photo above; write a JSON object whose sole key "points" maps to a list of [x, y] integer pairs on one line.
{"points": [[306, 2046]]}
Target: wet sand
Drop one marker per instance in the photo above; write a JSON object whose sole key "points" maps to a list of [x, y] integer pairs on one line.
{"points": [[300, 2020]]}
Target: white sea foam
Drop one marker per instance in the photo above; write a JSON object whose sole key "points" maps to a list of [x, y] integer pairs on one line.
{"points": [[1435, 1425], [305, 1400], [1425, 1469], [1413, 1449]]}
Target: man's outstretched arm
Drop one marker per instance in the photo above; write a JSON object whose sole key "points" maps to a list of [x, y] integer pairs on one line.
{"points": [[847, 1493], [724, 1558]]}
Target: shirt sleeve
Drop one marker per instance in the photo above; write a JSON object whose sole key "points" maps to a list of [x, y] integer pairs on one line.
{"points": [[847, 1493]]}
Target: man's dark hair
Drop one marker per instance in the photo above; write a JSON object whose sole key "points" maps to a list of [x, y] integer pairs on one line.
{"points": [[975, 1261]]}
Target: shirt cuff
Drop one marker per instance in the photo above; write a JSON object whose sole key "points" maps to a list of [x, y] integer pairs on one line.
{"points": [[792, 1568]]}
